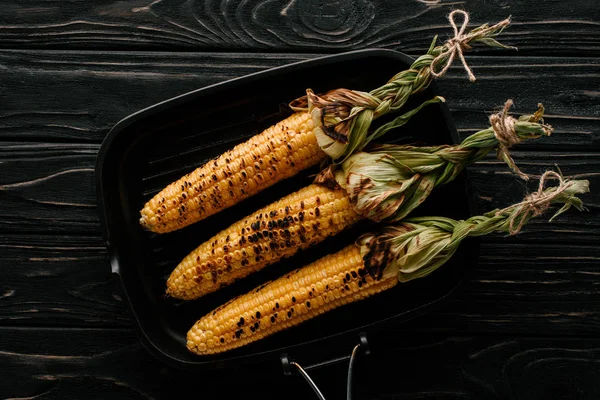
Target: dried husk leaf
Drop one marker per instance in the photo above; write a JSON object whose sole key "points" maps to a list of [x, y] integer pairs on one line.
{"points": [[342, 117], [417, 246], [389, 181]]}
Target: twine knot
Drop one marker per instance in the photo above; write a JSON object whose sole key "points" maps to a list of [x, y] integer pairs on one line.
{"points": [[503, 126], [455, 46], [461, 41], [538, 202]]}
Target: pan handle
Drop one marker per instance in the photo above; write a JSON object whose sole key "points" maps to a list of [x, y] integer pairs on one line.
{"points": [[362, 348]]}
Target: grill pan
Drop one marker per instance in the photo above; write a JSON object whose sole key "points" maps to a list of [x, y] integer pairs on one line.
{"points": [[157, 145]]}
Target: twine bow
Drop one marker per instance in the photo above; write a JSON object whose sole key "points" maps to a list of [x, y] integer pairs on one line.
{"points": [[417, 246], [460, 42], [342, 118], [388, 181], [509, 131], [537, 203]]}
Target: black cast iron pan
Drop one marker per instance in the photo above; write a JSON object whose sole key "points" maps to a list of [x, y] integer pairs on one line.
{"points": [[155, 146]]}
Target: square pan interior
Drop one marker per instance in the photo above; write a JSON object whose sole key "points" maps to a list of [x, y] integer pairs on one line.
{"points": [[151, 148]]}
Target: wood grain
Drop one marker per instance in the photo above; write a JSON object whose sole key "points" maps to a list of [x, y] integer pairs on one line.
{"points": [[523, 326], [48, 148], [79, 96], [58, 280], [483, 368], [290, 25], [496, 187], [49, 188], [517, 287], [74, 363], [112, 363]]}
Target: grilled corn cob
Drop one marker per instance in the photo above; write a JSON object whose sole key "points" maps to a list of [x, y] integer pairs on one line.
{"points": [[279, 230], [331, 125], [277, 153], [409, 250], [374, 188], [327, 283]]}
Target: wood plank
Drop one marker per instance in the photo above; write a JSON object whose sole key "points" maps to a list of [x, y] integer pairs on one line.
{"points": [[54, 364], [73, 363], [124, 83], [79, 96], [519, 287], [51, 165], [297, 25], [58, 280], [481, 368], [49, 188], [496, 187], [529, 81]]}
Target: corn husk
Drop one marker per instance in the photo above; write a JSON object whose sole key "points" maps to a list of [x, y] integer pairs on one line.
{"points": [[389, 181], [342, 117], [417, 246]]}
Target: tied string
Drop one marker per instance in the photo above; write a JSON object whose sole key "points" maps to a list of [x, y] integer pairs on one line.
{"points": [[536, 203], [418, 246], [342, 118], [503, 126], [460, 42]]}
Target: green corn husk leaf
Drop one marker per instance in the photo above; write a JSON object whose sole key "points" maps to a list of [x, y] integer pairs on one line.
{"points": [[389, 181], [417, 246], [397, 122], [342, 117], [351, 125]]}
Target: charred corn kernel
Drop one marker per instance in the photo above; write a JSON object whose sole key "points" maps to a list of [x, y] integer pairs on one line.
{"points": [[277, 153], [279, 230], [269, 309]]}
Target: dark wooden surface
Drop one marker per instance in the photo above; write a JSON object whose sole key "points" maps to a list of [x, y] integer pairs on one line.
{"points": [[525, 326]]}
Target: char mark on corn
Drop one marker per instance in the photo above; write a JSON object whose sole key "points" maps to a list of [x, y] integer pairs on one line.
{"points": [[329, 282], [277, 153], [272, 233]]}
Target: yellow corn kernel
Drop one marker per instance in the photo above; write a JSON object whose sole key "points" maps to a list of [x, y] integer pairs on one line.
{"points": [[239, 173], [267, 309], [274, 232]]}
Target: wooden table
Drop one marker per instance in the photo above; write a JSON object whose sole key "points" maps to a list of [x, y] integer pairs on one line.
{"points": [[525, 326]]}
